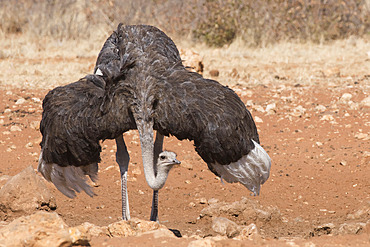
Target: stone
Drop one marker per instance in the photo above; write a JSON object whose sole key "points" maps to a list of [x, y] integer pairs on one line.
{"points": [[346, 97], [249, 232], [160, 233], [20, 101], [41, 229], [121, 229], [327, 118], [366, 101], [271, 108], [320, 108], [79, 235], [192, 60], [350, 228], [35, 125], [214, 73], [258, 119], [133, 227], [202, 243], [15, 128], [3, 180], [93, 230], [225, 227], [23, 194], [363, 212]]}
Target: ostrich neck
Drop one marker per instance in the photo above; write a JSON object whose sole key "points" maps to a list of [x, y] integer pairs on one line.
{"points": [[145, 129]]}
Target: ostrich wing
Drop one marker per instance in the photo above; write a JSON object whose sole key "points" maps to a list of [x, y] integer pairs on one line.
{"points": [[224, 133], [69, 123], [194, 108]]}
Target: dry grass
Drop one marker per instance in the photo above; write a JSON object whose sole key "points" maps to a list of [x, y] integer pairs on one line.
{"points": [[46, 43], [47, 63], [214, 22]]}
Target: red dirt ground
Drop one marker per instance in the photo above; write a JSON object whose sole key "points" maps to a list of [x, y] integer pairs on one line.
{"points": [[319, 143]]}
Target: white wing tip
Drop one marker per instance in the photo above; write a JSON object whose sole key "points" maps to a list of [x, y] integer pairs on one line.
{"points": [[251, 170]]}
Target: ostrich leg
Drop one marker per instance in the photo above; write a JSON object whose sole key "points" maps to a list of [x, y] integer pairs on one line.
{"points": [[158, 144], [123, 158]]}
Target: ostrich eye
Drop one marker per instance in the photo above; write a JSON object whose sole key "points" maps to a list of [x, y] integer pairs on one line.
{"points": [[162, 157]]}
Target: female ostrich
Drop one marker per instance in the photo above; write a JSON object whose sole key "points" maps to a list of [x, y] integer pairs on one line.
{"points": [[74, 121], [164, 96]]}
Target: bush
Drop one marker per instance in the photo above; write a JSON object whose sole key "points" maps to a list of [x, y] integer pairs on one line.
{"points": [[214, 22]]}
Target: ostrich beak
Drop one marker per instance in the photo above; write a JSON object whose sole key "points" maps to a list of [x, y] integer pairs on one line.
{"points": [[176, 163]]}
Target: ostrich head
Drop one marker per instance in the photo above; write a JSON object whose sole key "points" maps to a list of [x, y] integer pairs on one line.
{"points": [[166, 160]]}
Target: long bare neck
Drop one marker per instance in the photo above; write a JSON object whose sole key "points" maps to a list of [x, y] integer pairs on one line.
{"points": [[155, 181]]}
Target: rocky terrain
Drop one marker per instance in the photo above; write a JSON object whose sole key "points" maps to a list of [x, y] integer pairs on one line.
{"points": [[313, 118]]}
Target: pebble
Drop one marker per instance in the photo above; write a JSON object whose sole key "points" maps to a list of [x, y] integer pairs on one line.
{"points": [[258, 119], [327, 118], [20, 101], [346, 97], [320, 108], [15, 128], [366, 101], [29, 145], [270, 108], [362, 136], [203, 200], [343, 163]]}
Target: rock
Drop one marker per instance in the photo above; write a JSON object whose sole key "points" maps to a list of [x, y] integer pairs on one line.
{"points": [[366, 101], [327, 118], [298, 111], [271, 108], [144, 225], [203, 200], [35, 125], [225, 227], [362, 213], [121, 229], [362, 136], [25, 193], [258, 119], [39, 229], [36, 100], [79, 235], [258, 108], [343, 163], [214, 73], [202, 243], [249, 232], [320, 108], [160, 233], [350, 228], [345, 98], [186, 165], [324, 229], [3, 180], [132, 227], [244, 209], [15, 128], [20, 101], [192, 60], [93, 230]]}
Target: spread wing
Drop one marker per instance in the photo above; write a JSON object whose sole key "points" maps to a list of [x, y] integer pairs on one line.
{"points": [[194, 108]]}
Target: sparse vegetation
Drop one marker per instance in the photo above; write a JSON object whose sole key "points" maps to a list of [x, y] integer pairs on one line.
{"points": [[214, 22]]}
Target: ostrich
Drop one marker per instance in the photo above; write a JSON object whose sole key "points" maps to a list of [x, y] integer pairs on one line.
{"points": [[162, 95], [74, 120], [158, 93], [137, 42]]}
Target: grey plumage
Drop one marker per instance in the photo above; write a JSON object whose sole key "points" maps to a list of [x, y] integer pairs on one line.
{"points": [[140, 83], [164, 96]]}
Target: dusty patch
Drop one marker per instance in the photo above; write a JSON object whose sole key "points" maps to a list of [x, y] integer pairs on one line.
{"points": [[316, 130]]}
